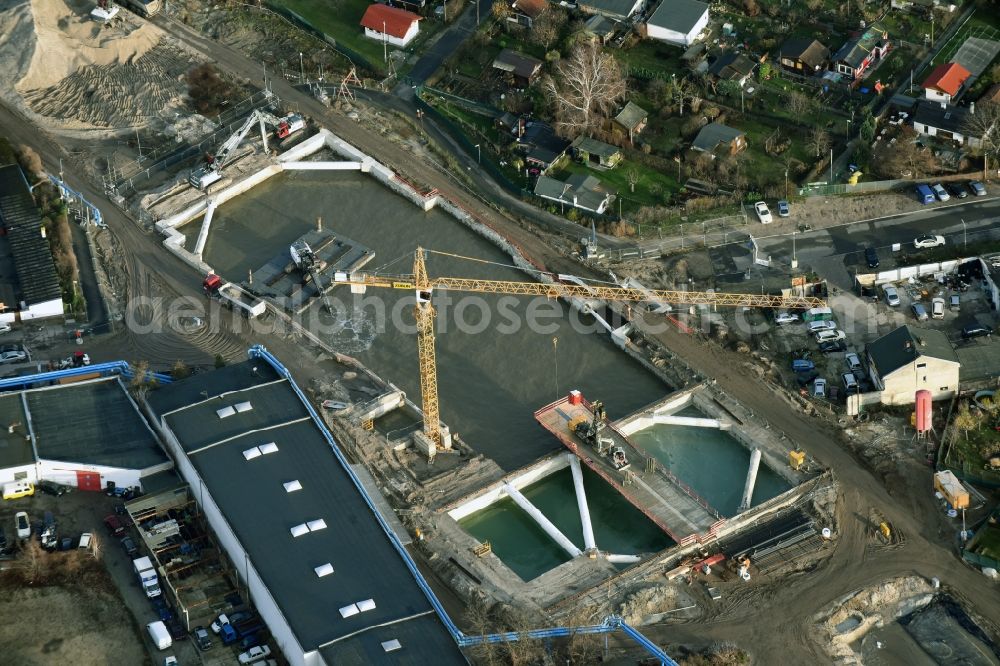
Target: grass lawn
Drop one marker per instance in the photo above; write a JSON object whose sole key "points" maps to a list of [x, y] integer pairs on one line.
{"points": [[341, 20], [984, 23], [650, 58]]}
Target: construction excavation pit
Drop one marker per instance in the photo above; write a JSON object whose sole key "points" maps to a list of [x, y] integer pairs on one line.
{"points": [[527, 504]]}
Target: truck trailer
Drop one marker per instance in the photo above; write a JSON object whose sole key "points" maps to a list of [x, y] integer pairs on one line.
{"points": [[233, 296], [147, 576]]}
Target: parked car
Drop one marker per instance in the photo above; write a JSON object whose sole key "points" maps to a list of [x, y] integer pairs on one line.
{"points": [[919, 311], [850, 382], [977, 188], [958, 190], [784, 210], [821, 325], [830, 336], [85, 540], [219, 622], [5, 328], [129, 546], [937, 308], [853, 362], [783, 318], [976, 331], [254, 653], [891, 295], [955, 303], [114, 525], [13, 356], [52, 488], [802, 365], [940, 192], [763, 214], [176, 629], [924, 194], [819, 388], [927, 240], [871, 256], [202, 639], [833, 346], [23, 525]]}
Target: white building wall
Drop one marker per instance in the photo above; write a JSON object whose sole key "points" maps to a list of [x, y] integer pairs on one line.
{"points": [[264, 603], [675, 36], [395, 41], [11, 473], [936, 95], [937, 376], [53, 308]]}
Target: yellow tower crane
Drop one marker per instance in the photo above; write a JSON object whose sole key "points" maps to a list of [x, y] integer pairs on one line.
{"points": [[424, 286]]}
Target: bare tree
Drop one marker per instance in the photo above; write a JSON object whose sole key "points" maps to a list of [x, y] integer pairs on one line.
{"points": [[984, 124], [904, 158], [586, 88], [681, 89], [799, 103], [819, 140], [632, 175], [502, 11], [547, 28]]}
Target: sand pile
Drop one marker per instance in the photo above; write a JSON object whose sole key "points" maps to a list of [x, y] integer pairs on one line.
{"points": [[66, 40]]}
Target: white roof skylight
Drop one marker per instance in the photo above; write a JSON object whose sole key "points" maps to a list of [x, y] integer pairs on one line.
{"points": [[243, 406], [315, 525], [348, 611], [251, 453], [270, 447], [225, 411], [390, 646], [299, 530], [323, 570], [292, 486]]}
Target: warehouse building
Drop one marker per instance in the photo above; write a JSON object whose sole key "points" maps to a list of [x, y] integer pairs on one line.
{"points": [[323, 569]]}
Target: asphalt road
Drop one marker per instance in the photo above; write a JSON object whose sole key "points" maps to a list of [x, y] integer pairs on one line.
{"points": [[834, 250], [446, 44]]}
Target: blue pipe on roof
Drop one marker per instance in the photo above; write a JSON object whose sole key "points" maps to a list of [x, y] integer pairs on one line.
{"points": [[611, 624], [104, 369]]}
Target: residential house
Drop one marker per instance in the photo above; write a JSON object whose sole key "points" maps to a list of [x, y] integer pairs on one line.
{"points": [[804, 56], [617, 10], [29, 285], [945, 121], [944, 82], [390, 24], [596, 153], [600, 27], [732, 67], [632, 119], [522, 68], [910, 359], [541, 146], [714, 136], [678, 21], [579, 191], [526, 12], [859, 55]]}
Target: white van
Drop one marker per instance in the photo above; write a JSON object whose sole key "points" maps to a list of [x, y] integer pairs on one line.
{"points": [[158, 632], [821, 325]]}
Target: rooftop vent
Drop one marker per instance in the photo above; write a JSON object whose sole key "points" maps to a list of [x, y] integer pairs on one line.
{"points": [[292, 486], [243, 407], [392, 646], [252, 453], [348, 611], [225, 411], [270, 447], [324, 570]]}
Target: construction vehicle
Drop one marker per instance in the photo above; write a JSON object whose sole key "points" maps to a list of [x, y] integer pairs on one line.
{"points": [[233, 296], [211, 172], [307, 262], [424, 286]]}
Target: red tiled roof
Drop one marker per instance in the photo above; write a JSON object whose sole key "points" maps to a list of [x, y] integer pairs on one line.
{"points": [[948, 78], [390, 20], [531, 8]]}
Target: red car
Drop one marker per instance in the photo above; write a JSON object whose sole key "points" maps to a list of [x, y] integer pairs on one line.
{"points": [[114, 525]]}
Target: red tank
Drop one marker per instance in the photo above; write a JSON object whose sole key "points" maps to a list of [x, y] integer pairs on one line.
{"points": [[924, 412]]}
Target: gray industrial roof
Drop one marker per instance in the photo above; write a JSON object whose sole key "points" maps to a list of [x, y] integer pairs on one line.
{"points": [[36, 271], [94, 423], [678, 15], [15, 448], [907, 343], [253, 499]]}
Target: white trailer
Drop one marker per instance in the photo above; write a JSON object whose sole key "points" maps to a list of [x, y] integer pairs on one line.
{"points": [[234, 296]]}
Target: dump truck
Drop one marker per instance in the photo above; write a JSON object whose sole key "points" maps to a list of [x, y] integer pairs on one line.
{"points": [[233, 296], [147, 576]]}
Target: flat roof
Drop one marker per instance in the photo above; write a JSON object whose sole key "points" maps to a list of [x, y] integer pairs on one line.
{"points": [[252, 496], [15, 448], [93, 423], [36, 271]]}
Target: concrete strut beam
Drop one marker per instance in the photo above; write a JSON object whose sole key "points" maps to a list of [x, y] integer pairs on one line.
{"points": [[206, 224], [751, 480], [622, 559], [542, 521], [692, 421], [581, 503], [321, 166]]}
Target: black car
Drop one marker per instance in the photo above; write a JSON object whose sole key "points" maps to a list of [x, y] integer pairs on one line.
{"points": [[958, 190], [129, 547], [50, 488], [871, 256], [832, 346], [976, 331], [202, 638], [176, 629]]}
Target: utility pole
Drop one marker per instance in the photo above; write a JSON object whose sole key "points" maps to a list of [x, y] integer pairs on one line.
{"points": [[965, 235], [302, 68], [479, 154], [385, 48], [831, 166]]}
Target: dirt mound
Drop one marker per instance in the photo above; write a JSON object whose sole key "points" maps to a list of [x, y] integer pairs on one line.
{"points": [[66, 40]]}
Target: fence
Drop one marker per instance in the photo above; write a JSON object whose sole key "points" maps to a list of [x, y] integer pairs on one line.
{"points": [[825, 189]]}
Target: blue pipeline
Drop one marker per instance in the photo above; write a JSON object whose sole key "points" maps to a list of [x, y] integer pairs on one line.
{"points": [[94, 212], [104, 369], [611, 624]]}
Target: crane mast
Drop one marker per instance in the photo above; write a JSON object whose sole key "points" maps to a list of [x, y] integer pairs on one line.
{"points": [[424, 286]]}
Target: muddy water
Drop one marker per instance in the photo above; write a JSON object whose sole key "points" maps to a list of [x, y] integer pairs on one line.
{"points": [[523, 546], [492, 374], [710, 461]]}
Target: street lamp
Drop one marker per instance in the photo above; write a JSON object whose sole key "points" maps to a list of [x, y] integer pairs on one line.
{"points": [[479, 154], [848, 131]]}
